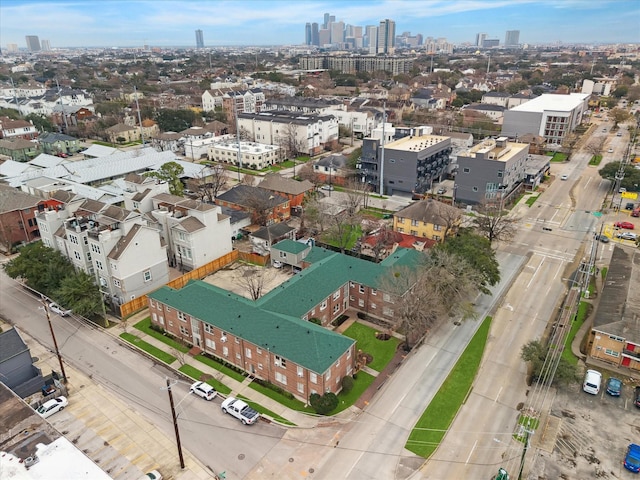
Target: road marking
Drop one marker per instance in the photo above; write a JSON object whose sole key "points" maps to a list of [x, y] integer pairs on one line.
{"points": [[557, 271], [536, 271], [588, 180], [499, 391], [471, 452]]}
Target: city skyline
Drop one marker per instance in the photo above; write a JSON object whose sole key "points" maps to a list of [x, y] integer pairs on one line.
{"points": [[136, 23]]}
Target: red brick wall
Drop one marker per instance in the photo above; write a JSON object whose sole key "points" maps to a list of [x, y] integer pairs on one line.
{"points": [[334, 306]]}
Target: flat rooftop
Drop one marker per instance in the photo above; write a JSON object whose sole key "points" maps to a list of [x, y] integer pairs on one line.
{"points": [[552, 101], [418, 143]]}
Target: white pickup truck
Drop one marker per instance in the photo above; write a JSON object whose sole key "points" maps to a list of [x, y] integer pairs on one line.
{"points": [[240, 410]]}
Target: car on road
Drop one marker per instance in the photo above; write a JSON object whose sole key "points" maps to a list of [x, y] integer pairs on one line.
{"points": [[602, 238], [203, 390], [52, 406], [55, 308], [614, 386], [592, 382], [240, 410], [627, 225], [632, 459], [326, 187], [627, 236], [564, 177]]}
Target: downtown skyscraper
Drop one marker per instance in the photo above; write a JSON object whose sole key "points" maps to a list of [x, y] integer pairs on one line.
{"points": [[386, 37], [33, 43], [199, 39]]}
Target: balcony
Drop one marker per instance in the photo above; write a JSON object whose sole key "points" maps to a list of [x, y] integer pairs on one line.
{"points": [[631, 353]]}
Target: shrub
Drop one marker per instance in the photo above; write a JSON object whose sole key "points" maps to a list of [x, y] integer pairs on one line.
{"points": [[347, 384], [340, 320], [325, 403], [275, 388], [315, 320], [362, 315]]}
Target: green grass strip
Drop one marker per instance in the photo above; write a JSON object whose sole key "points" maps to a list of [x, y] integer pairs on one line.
{"points": [[437, 418], [579, 319], [220, 367], [292, 403], [381, 350], [532, 199], [147, 347], [361, 383], [196, 374], [145, 327], [529, 423]]}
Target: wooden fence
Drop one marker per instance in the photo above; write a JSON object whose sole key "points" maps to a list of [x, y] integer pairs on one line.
{"points": [[137, 304]]}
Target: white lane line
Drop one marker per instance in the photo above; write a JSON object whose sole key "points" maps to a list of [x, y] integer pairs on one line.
{"points": [[499, 391], [471, 452], [536, 271]]}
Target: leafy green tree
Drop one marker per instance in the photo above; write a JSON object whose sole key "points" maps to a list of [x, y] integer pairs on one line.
{"points": [[170, 172], [477, 252], [631, 179], [535, 353], [175, 120], [42, 123], [618, 115], [40, 267], [79, 292]]}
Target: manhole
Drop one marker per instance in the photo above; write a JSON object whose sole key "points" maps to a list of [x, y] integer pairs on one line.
{"points": [[311, 470], [290, 459], [241, 456]]}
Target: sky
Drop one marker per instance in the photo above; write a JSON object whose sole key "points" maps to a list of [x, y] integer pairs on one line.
{"points": [[164, 23]]}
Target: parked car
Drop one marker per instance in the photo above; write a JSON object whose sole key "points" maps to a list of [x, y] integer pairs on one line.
{"points": [[602, 238], [614, 387], [636, 397], [52, 406], [628, 206], [441, 190], [277, 264], [632, 459], [326, 187], [636, 212], [627, 236], [627, 225], [203, 390], [592, 382], [610, 150], [619, 134], [55, 308], [564, 177], [240, 410]]}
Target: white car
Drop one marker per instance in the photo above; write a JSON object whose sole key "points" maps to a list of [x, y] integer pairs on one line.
{"points": [[203, 390], [610, 150], [52, 406], [627, 236], [326, 187], [240, 410], [564, 177], [55, 308], [277, 264]]}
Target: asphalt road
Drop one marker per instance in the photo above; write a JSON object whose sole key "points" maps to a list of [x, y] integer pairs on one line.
{"points": [[217, 440]]}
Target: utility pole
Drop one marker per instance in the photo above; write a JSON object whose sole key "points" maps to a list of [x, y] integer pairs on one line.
{"points": [[135, 94], [174, 417], [235, 109], [53, 336], [524, 451]]}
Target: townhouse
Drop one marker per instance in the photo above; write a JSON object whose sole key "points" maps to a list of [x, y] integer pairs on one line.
{"points": [[280, 337], [265, 206], [14, 129], [17, 217], [294, 190]]}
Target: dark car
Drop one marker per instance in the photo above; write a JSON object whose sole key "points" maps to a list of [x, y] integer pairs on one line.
{"points": [[636, 397], [629, 206], [602, 238], [614, 387]]}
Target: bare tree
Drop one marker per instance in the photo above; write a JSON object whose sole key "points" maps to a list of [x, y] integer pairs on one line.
{"points": [[595, 146], [342, 227], [258, 202], [493, 222], [254, 279], [569, 142], [209, 182], [306, 172], [290, 142], [618, 115], [245, 135], [354, 196], [315, 214]]}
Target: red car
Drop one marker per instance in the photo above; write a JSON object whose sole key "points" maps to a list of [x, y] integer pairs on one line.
{"points": [[627, 225]]}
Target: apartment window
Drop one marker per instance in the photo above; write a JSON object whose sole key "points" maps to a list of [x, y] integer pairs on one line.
{"points": [[313, 377], [259, 351], [337, 363], [99, 265], [237, 340], [182, 317], [336, 295], [475, 189], [225, 351], [247, 352], [323, 305], [400, 219], [373, 306], [352, 298], [210, 344], [260, 367], [414, 223], [300, 371], [280, 362], [387, 311], [281, 377], [73, 239], [208, 328], [612, 353], [414, 233], [336, 307], [400, 230], [146, 274], [327, 376], [387, 298], [437, 238], [114, 266], [437, 228], [361, 288], [77, 255], [283, 254], [360, 302], [301, 387], [466, 170], [116, 282], [238, 356], [95, 248], [351, 284], [184, 330], [500, 174]]}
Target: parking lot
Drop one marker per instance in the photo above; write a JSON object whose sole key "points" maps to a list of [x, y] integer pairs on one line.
{"points": [[593, 435]]}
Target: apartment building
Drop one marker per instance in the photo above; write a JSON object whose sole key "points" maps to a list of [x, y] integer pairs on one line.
{"points": [[139, 191], [427, 219], [311, 133], [194, 232], [491, 171], [410, 164], [357, 63], [251, 155]]}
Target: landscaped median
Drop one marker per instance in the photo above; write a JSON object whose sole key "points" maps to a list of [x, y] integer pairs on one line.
{"points": [[432, 426]]}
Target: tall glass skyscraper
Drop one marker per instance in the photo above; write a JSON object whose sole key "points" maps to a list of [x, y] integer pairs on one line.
{"points": [[387, 37], [33, 43], [199, 39]]}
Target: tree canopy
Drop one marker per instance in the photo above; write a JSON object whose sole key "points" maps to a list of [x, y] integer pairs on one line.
{"points": [[170, 172], [175, 120], [535, 352], [631, 179]]}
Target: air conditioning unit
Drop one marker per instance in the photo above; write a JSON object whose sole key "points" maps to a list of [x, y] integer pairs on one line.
{"points": [[223, 339], [31, 461]]}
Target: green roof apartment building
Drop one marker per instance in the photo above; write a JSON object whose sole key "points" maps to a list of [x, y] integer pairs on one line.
{"points": [[273, 338]]}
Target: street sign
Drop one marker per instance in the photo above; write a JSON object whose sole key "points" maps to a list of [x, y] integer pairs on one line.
{"points": [[629, 195]]}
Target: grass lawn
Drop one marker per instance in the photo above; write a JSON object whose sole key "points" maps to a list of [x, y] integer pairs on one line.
{"points": [[603, 272], [595, 160], [145, 326], [382, 350], [150, 349], [260, 409], [528, 422], [579, 319], [354, 234], [557, 156], [436, 419], [221, 368], [532, 199], [361, 383], [292, 403], [197, 375]]}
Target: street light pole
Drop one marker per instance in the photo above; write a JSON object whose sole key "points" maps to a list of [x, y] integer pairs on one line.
{"points": [[53, 336], [174, 417]]}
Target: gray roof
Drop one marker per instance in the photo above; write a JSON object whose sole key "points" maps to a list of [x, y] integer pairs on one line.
{"points": [[278, 183], [239, 194], [11, 344], [618, 310], [52, 137], [486, 106], [273, 231], [429, 211], [12, 199], [285, 116]]}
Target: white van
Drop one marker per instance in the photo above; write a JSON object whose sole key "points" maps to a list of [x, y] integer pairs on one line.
{"points": [[592, 382]]}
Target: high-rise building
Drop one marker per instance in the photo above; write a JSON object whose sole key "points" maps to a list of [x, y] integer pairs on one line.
{"points": [[315, 34], [337, 33], [33, 43], [386, 37], [325, 24], [371, 34], [480, 38], [12, 47], [46, 46], [307, 34], [324, 37], [199, 39], [512, 39]]}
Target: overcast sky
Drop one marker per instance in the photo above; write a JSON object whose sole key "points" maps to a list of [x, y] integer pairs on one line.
{"points": [[106, 23]]}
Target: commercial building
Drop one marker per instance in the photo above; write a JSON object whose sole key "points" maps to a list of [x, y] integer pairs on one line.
{"points": [[33, 43], [552, 116], [386, 37], [252, 155], [491, 171], [512, 38], [411, 164]]}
